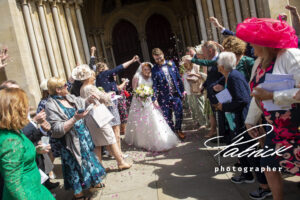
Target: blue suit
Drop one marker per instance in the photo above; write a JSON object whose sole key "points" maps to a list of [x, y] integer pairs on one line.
{"points": [[169, 101]]}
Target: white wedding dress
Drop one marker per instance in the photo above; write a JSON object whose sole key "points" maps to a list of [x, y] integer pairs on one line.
{"points": [[146, 126]]}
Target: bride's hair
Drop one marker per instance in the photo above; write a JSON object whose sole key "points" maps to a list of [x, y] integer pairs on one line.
{"points": [[138, 72]]}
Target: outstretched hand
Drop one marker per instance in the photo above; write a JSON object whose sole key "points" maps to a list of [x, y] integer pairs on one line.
{"points": [[3, 57], [292, 9], [215, 22], [135, 59]]}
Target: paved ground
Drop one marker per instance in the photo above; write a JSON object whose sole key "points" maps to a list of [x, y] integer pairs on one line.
{"points": [[185, 172]]}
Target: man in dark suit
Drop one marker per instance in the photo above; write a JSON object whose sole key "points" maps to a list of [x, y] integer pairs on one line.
{"points": [[168, 90]]}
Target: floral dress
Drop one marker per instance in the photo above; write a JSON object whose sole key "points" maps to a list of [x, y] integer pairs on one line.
{"points": [[91, 171], [286, 124]]}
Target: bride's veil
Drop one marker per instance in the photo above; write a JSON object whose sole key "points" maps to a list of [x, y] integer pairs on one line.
{"points": [[138, 73]]}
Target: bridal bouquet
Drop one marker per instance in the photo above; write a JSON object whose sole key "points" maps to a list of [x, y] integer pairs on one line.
{"points": [[101, 89], [142, 92]]}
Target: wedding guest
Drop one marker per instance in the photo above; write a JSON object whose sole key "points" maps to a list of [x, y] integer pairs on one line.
{"points": [[210, 53], [244, 63], [102, 136], [66, 113], [192, 81], [123, 104], [275, 42], [236, 110], [55, 144], [18, 168], [226, 32], [105, 79]]}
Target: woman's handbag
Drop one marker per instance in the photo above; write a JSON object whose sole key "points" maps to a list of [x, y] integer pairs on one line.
{"points": [[101, 115]]}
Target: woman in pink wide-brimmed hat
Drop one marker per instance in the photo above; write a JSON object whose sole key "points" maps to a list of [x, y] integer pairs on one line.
{"points": [[275, 43]]}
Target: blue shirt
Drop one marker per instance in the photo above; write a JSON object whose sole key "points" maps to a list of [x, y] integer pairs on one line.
{"points": [[106, 79]]}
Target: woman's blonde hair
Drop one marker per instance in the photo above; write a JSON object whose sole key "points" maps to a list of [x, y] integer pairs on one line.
{"points": [[100, 67], [53, 83], [234, 45], [13, 109]]}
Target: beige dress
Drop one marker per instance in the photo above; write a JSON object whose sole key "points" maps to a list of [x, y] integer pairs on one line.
{"points": [[101, 136]]}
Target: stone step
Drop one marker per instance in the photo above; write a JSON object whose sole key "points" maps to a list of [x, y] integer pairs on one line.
{"points": [[187, 115]]}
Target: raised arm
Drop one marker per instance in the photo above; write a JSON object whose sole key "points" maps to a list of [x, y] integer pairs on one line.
{"points": [[93, 59], [129, 62]]}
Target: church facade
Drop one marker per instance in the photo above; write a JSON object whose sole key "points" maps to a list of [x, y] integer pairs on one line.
{"points": [[48, 38]]}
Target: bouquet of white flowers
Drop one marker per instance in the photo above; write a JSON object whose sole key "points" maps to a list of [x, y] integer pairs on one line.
{"points": [[142, 92]]}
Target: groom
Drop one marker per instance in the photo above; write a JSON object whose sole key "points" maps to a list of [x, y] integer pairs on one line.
{"points": [[168, 90]]}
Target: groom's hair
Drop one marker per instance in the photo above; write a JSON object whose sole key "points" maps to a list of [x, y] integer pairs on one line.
{"points": [[157, 52]]}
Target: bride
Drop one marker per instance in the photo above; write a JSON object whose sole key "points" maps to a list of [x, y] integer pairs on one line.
{"points": [[146, 126]]}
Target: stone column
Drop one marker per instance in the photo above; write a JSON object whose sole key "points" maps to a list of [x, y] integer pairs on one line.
{"points": [[187, 31], [231, 14], [245, 10], [181, 32], [103, 46], [72, 34], [33, 42], [193, 28], [77, 33], [252, 8], [47, 39], [144, 47], [61, 39], [237, 11], [67, 37], [21, 67], [95, 36], [39, 39], [54, 40], [224, 14], [82, 31], [112, 55], [201, 20], [211, 13]]}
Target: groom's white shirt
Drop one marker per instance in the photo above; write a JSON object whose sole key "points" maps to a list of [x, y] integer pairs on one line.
{"points": [[168, 76]]}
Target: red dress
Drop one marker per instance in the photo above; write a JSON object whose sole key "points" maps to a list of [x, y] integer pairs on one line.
{"points": [[286, 131]]}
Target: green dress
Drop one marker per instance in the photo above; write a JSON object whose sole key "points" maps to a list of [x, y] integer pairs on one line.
{"points": [[18, 168]]}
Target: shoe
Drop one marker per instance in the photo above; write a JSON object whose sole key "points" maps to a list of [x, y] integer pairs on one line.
{"points": [[51, 186], [260, 194], [124, 166], [180, 135], [241, 179]]}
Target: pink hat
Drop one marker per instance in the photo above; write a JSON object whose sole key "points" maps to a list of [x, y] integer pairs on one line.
{"points": [[268, 33]]}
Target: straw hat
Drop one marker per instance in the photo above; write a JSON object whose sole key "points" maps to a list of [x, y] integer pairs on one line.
{"points": [[81, 72]]}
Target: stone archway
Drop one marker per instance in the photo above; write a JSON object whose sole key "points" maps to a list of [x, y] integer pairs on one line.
{"points": [[160, 35], [126, 44]]}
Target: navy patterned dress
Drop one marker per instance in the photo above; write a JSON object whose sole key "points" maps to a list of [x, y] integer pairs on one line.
{"points": [[91, 171]]}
